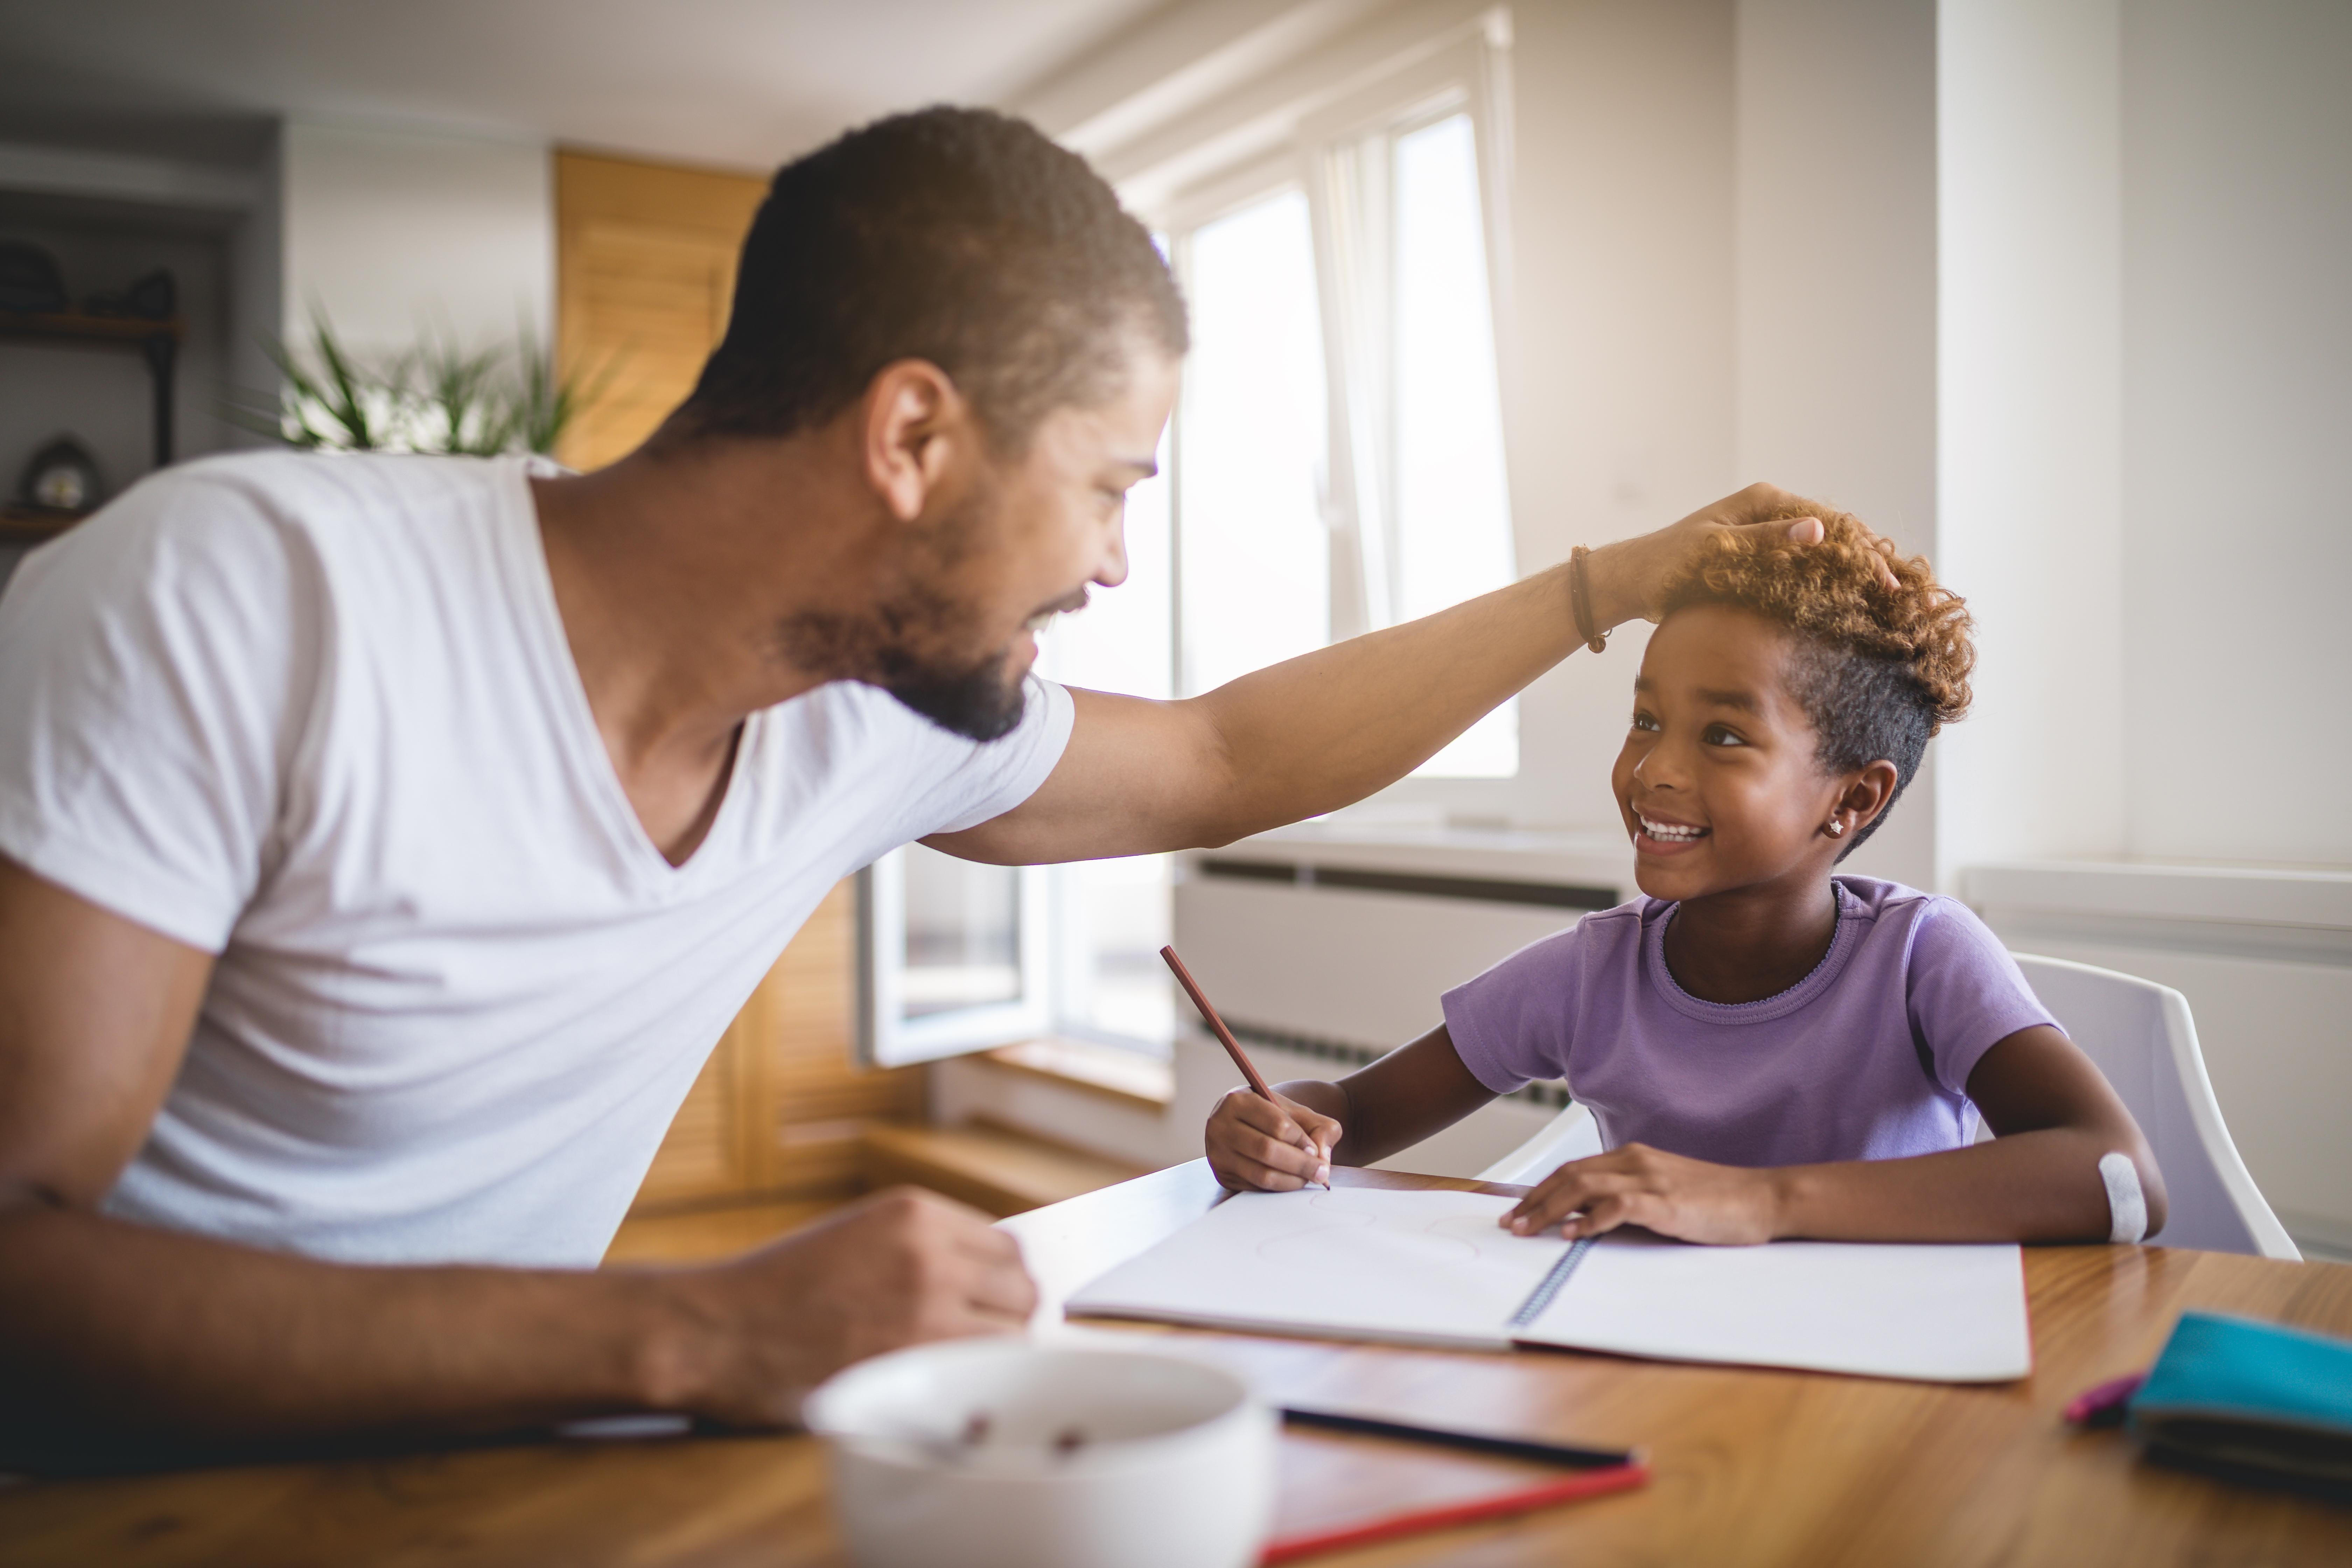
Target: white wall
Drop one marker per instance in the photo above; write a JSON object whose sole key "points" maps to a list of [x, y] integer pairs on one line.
{"points": [[1619, 414], [2028, 96], [2147, 228], [2237, 417], [1835, 313], [395, 232]]}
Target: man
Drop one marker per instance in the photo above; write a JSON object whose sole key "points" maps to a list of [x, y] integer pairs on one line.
{"points": [[387, 840]]}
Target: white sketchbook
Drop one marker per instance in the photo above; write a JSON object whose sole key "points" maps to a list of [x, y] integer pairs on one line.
{"points": [[1434, 1268]]}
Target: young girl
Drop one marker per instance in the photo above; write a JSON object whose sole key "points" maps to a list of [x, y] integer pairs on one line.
{"points": [[1770, 1050]]}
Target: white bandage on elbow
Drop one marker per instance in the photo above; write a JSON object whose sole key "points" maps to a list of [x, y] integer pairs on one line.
{"points": [[2127, 1206]]}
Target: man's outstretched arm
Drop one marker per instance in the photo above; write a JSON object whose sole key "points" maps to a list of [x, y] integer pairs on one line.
{"points": [[1329, 728], [118, 1338]]}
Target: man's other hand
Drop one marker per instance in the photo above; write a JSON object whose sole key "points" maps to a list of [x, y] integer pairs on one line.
{"points": [[756, 1333]]}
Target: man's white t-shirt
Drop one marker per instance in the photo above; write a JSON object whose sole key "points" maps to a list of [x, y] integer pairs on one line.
{"points": [[318, 716]]}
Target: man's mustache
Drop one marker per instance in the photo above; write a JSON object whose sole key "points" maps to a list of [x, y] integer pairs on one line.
{"points": [[1069, 604]]}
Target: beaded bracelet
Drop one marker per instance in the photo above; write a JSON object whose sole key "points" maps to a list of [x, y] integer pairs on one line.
{"points": [[1580, 598]]}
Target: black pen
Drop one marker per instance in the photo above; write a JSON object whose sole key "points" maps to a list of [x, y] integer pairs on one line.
{"points": [[1449, 1437]]}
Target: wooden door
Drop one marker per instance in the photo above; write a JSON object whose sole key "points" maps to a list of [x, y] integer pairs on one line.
{"points": [[645, 271]]}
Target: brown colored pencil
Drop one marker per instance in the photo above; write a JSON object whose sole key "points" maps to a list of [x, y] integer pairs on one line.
{"points": [[1217, 1027]]}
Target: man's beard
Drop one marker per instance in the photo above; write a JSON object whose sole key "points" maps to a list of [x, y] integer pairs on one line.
{"points": [[979, 701], [896, 647]]}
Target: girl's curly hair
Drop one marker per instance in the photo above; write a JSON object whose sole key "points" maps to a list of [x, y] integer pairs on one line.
{"points": [[1878, 670]]}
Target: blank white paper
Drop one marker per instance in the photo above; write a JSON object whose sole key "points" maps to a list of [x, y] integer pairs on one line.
{"points": [[1944, 1314], [1415, 1267], [1434, 1268]]}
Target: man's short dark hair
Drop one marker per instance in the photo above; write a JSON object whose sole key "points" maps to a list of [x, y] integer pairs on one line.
{"points": [[956, 235]]}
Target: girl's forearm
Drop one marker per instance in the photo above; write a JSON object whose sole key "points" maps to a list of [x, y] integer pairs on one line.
{"points": [[1418, 1088], [2028, 1186]]}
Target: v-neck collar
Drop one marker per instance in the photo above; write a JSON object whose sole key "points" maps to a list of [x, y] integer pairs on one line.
{"points": [[522, 554]]}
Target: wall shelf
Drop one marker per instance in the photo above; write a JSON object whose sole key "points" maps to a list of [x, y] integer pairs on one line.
{"points": [[157, 341], [34, 524]]}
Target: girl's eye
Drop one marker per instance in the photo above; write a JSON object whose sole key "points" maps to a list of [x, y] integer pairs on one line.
{"points": [[1644, 721], [1716, 735]]}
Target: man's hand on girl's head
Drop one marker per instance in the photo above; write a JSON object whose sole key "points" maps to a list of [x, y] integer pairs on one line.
{"points": [[1629, 576]]}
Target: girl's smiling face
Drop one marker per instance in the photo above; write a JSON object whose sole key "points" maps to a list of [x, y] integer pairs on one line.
{"points": [[1719, 782]]}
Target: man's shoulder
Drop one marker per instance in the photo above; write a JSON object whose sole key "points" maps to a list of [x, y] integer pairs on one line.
{"points": [[857, 715], [251, 550], [268, 502], [319, 489]]}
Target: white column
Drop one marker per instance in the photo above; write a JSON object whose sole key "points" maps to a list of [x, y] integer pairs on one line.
{"points": [[2031, 407], [1835, 287]]}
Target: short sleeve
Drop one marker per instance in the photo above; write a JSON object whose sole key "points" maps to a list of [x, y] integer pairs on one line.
{"points": [[1511, 1024], [1965, 993], [997, 776], [153, 664]]}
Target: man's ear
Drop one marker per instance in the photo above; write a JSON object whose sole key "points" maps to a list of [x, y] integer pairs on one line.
{"points": [[1867, 795], [914, 423]]}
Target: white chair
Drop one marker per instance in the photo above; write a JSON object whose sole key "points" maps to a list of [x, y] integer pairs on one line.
{"points": [[2142, 1038], [1570, 1135]]}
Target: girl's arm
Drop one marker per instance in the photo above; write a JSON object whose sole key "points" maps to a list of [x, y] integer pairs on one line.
{"points": [[1414, 1091], [2053, 1114]]}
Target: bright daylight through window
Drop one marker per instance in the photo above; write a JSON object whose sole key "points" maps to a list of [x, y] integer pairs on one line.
{"points": [[1453, 502]]}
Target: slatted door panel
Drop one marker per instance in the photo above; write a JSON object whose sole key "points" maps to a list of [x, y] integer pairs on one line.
{"points": [[818, 1103], [644, 271]]}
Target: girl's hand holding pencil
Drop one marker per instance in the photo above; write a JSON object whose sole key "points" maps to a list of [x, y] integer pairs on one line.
{"points": [[1270, 1144], [1256, 1137]]}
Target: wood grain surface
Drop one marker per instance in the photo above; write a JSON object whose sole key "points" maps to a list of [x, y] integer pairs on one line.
{"points": [[1751, 1466]]}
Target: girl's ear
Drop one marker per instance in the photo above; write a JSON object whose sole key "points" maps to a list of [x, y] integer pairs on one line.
{"points": [[1864, 798]]}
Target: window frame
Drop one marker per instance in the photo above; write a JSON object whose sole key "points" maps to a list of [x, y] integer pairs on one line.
{"points": [[886, 1037], [1324, 155]]}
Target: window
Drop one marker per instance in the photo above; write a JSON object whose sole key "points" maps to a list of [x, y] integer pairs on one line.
{"points": [[1341, 439], [1453, 501], [1336, 465], [1253, 442]]}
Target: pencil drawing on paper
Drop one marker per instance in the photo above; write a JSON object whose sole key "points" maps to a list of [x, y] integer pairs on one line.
{"points": [[1443, 1238]]}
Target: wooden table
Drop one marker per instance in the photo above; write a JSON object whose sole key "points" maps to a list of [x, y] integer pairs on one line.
{"points": [[1750, 1466]]}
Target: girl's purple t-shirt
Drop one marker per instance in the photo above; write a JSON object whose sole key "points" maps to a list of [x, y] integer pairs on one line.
{"points": [[1867, 1057]]}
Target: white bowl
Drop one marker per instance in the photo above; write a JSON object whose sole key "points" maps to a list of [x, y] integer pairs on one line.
{"points": [[1002, 1454]]}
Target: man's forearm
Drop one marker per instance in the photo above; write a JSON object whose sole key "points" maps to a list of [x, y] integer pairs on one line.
{"points": [[1317, 732], [112, 1333], [1325, 730]]}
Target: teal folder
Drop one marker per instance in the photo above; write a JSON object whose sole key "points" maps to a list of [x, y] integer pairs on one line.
{"points": [[2253, 1401]]}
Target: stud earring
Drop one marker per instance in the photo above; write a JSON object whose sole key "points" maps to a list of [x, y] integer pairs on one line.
{"points": [[1836, 830]]}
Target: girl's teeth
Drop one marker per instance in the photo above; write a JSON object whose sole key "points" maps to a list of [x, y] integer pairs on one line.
{"points": [[1039, 621], [1664, 834]]}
